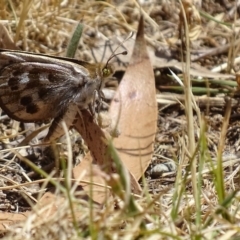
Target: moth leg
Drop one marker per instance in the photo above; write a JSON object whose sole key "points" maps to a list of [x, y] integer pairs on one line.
{"points": [[56, 130], [92, 109], [81, 117], [103, 119], [100, 100], [97, 96]]}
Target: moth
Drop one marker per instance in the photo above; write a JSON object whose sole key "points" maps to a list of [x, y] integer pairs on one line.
{"points": [[36, 87]]}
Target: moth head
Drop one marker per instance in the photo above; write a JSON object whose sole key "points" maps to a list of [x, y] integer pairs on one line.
{"points": [[107, 70]]}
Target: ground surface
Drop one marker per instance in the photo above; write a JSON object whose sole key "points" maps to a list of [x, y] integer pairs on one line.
{"points": [[214, 42]]}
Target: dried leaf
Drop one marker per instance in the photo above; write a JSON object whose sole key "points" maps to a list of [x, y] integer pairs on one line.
{"points": [[86, 172], [134, 110], [97, 142], [8, 219]]}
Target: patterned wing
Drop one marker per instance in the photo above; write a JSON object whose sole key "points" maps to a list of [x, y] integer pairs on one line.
{"points": [[38, 88]]}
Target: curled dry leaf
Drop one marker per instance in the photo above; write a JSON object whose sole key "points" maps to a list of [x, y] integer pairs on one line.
{"points": [[93, 136], [97, 142], [134, 110]]}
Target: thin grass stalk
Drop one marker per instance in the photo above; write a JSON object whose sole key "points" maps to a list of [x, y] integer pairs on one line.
{"points": [[212, 18], [203, 153], [219, 172], [73, 44], [189, 117], [13, 10], [68, 176], [25, 8]]}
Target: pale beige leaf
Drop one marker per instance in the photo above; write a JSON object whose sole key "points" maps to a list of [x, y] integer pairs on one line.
{"points": [[8, 219], [88, 172], [134, 110]]}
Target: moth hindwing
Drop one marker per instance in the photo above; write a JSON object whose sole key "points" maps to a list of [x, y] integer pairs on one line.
{"points": [[36, 87]]}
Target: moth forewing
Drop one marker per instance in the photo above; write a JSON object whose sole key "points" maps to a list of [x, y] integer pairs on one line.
{"points": [[35, 87]]}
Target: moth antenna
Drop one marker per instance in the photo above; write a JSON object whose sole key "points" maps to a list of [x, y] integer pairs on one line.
{"points": [[105, 48], [93, 54], [114, 55], [121, 44], [121, 53]]}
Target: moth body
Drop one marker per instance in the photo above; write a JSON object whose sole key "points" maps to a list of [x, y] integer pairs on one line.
{"points": [[36, 87]]}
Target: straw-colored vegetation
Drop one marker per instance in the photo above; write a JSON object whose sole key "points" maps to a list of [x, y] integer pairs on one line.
{"points": [[197, 133]]}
